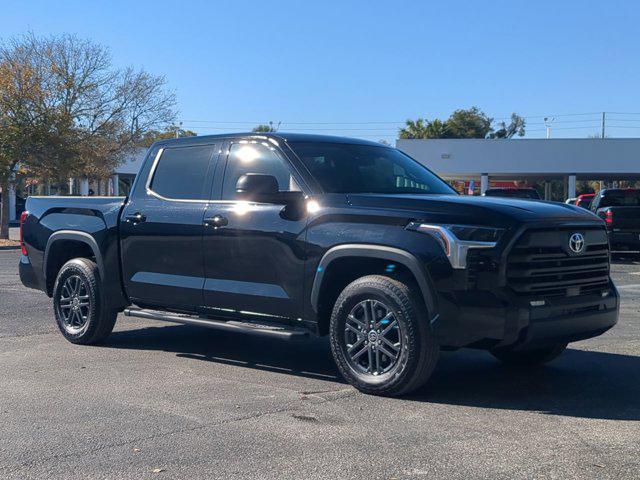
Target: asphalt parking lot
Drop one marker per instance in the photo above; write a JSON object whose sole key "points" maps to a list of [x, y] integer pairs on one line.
{"points": [[166, 401]]}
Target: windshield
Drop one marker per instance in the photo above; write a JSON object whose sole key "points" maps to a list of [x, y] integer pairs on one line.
{"points": [[347, 168]]}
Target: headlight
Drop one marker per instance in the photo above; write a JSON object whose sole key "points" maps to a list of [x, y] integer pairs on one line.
{"points": [[457, 240]]}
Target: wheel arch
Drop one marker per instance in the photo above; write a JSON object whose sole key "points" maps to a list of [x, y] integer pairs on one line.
{"points": [[405, 259], [77, 243]]}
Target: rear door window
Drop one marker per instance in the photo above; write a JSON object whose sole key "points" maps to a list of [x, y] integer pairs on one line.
{"points": [[181, 173]]}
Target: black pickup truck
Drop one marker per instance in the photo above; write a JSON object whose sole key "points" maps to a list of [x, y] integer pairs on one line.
{"points": [[290, 235], [620, 209]]}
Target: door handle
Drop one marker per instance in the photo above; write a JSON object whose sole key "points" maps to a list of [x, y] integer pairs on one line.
{"points": [[135, 218], [216, 221]]}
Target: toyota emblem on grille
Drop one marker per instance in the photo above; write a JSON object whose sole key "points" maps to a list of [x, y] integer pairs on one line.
{"points": [[576, 243]]}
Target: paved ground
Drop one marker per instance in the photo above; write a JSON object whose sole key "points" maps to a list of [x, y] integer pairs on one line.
{"points": [[196, 403]]}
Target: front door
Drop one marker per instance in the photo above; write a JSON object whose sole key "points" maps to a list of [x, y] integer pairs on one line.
{"points": [[254, 252], [162, 229]]}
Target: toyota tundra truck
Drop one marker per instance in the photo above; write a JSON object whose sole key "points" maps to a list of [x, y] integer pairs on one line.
{"points": [[291, 236]]}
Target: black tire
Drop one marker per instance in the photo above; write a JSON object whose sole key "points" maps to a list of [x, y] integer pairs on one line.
{"points": [[88, 321], [417, 347], [529, 358]]}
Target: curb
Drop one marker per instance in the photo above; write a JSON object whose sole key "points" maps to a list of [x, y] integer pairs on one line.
{"points": [[10, 247]]}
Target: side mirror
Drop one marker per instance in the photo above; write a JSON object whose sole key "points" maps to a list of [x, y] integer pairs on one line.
{"points": [[252, 185], [265, 189]]}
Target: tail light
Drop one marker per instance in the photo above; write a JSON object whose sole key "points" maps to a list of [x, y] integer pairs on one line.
{"points": [[608, 218], [23, 217]]}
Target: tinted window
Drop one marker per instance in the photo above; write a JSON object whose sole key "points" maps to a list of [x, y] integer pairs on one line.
{"points": [[254, 157], [181, 172], [346, 168], [620, 198]]}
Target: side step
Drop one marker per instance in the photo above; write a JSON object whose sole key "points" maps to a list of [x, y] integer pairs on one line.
{"points": [[285, 332]]}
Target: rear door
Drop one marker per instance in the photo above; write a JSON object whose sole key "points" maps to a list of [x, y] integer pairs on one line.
{"points": [[254, 258], [161, 228]]}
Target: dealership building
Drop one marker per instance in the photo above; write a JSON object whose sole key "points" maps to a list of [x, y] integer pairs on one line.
{"points": [[490, 162]]}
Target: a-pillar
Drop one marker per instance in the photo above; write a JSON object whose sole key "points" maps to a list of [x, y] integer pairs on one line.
{"points": [[484, 183], [571, 183], [84, 187]]}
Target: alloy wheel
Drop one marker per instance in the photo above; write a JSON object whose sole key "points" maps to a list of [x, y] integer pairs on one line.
{"points": [[372, 337]]}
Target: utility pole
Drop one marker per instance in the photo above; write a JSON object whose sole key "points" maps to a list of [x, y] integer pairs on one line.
{"points": [[547, 123], [603, 114]]}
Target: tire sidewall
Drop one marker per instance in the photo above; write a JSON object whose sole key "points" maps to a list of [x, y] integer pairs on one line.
{"points": [[87, 271]]}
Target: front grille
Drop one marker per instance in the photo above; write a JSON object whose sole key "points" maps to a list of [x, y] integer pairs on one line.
{"points": [[541, 263]]}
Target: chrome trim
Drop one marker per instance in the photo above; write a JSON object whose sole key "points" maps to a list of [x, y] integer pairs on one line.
{"points": [[455, 249]]}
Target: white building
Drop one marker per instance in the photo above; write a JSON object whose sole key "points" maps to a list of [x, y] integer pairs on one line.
{"points": [[608, 160], [119, 183]]}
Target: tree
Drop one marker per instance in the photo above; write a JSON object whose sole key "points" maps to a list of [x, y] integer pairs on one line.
{"points": [[173, 131], [470, 123], [423, 128], [266, 128], [515, 127], [66, 111]]}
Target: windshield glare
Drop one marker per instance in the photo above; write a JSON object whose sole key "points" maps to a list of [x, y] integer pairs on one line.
{"points": [[348, 168]]}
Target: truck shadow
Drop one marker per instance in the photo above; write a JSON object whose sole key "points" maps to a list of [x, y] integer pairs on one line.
{"points": [[580, 383]]}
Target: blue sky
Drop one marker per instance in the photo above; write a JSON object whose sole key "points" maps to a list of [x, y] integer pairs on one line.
{"points": [[359, 68]]}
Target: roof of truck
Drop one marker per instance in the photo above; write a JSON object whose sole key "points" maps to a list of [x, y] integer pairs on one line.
{"points": [[278, 136]]}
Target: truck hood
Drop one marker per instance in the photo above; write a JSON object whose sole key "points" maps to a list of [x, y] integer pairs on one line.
{"points": [[493, 211]]}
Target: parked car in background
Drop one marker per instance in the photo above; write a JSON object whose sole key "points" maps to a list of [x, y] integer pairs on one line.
{"points": [[530, 193], [585, 200], [620, 209], [571, 201], [290, 235]]}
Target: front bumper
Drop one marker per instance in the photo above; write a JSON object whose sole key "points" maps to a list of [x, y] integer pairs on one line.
{"points": [[487, 320]]}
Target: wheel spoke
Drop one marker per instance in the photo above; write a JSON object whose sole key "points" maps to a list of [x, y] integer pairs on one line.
{"points": [[395, 346], [385, 318], [392, 356], [362, 325], [370, 350], [393, 324], [359, 354], [353, 329], [359, 342]]}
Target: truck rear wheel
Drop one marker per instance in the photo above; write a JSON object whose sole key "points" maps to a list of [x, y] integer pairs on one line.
{"points": [[78, 303], [529, 358], [381, 339]]}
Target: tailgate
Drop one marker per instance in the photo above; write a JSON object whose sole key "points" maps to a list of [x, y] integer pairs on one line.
{"points": [[626, 219]]}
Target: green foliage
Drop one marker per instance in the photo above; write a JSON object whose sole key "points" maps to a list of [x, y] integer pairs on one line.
{"points": [[515, 127], [469, 123], [173, 131], [265, 128]]}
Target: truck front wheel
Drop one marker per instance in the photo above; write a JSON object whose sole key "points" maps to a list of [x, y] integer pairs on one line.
{"points": [[381, 338], [529, 358], [78, 303]]}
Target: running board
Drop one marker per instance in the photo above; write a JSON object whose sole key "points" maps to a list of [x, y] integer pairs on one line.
{"points": [[285, 332]]}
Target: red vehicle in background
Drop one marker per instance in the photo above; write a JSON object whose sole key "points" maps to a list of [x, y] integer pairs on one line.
{"points": [[585, 200]]}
